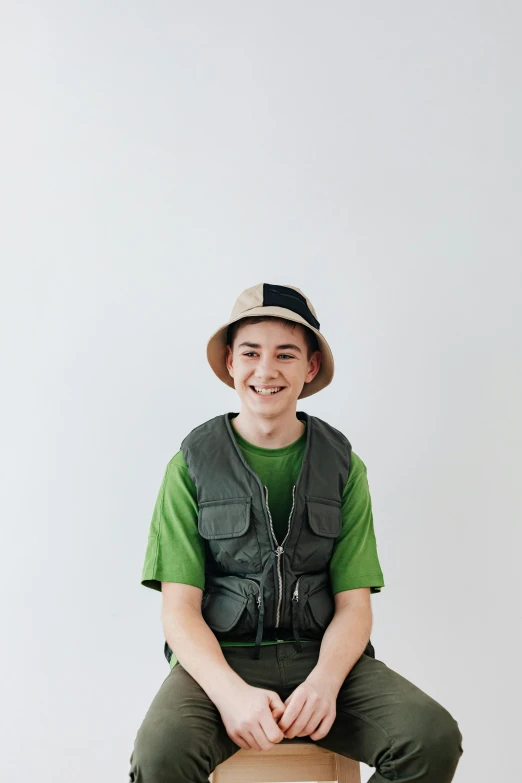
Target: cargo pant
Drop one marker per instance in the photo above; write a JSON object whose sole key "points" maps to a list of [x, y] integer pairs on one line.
{"points": [[382, 719]]}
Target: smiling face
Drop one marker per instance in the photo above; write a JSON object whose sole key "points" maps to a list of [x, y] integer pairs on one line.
{"points": [[269, 364]]}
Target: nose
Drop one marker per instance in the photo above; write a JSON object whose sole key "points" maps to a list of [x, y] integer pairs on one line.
{"points": [[265, 370]]}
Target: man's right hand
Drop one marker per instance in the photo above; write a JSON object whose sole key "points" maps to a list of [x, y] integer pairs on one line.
{"points": [[250, 716]]}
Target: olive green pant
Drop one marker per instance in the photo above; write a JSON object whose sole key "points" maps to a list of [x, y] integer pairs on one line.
{"points": [[382, 719]]}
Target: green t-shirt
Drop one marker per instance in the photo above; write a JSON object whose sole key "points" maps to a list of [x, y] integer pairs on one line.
{"points": [[176, 550]]}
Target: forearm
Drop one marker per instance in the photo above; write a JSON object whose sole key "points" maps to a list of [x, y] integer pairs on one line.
{"points": [[342, 645], [199, 652]]}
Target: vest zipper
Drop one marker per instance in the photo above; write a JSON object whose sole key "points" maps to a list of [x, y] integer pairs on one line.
{"points": [[295, 596], [279, 551], [295, 619]]}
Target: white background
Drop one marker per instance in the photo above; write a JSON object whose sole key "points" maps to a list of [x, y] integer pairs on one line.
{"points": [[158, 158]]}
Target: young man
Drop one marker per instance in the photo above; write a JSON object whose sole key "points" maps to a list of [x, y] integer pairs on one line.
{"points": [[263, 546]]}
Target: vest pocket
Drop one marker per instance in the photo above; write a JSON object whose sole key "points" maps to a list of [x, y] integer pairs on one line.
{"points": [[313, 604], [230, 607], [324, 516], [228, 518], [321, 526], [321, 607], [222, 610], [230, 537]]}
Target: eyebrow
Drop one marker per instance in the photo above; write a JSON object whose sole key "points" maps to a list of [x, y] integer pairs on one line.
{"points": [[286, 346]]}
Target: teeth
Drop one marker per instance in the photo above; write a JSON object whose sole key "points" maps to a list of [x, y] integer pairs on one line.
{"points": [[266, 392]]}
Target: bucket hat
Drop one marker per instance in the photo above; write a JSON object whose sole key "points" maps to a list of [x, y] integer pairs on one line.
{"points": [[284, 302]]}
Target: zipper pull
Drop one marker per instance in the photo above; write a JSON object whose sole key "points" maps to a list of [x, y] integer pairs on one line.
{"points": [[279, 551], [295, 596]]}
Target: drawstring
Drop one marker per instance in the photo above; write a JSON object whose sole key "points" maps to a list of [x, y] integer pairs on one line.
{"points": [[259, 634], [295, 626]]}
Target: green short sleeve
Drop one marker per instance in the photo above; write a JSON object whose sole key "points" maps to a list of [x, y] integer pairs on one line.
{"points": [[355, 561], [175, 549]]}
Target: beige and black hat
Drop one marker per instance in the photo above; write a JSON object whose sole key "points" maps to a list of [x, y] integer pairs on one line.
{"points": [[285, 302]]}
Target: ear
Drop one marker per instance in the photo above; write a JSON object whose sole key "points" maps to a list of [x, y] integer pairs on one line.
{"points": [[314, 366], [228, 361]]}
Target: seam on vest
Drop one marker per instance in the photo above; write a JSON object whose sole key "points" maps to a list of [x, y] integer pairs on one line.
{"points": [[308, 450], [245, 462]]}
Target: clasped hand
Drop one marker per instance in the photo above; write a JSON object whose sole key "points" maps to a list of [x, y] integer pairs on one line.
{"points": [[259, 719]]}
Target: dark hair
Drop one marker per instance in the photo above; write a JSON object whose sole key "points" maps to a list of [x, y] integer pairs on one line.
{"points": [[312, 343]]}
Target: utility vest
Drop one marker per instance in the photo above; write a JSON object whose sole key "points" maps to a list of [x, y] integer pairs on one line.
{"points": [[258, 588]]}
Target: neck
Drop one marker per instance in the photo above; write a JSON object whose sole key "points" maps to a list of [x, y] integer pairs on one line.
{"points": [[269, 433]]}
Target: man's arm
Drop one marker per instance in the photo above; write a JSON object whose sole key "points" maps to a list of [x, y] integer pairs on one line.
{"points": [[193, 642], [345, 638]]}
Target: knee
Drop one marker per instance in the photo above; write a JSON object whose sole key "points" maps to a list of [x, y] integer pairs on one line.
{"points": [[441, 730], [161, 756], [438, 735], [152, 759]]}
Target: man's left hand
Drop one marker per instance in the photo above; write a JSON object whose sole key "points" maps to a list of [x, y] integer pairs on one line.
{"points": [[310, 710]]}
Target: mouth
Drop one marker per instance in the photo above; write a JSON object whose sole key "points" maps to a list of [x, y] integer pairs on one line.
{"points": [[266, 391]]}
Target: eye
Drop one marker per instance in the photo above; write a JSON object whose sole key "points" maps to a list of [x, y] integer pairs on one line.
{"points": [[252, 353]]}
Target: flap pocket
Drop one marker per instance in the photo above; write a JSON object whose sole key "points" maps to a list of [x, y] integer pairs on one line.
{"points": [[222, 609], [322, 607], [224, 518], [324, 516]]}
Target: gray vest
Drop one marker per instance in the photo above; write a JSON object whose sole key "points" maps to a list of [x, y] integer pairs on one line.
{"points": [[255, 586]]}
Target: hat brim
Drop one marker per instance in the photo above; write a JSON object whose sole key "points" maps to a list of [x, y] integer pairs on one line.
{"points": [[216, 350]]}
